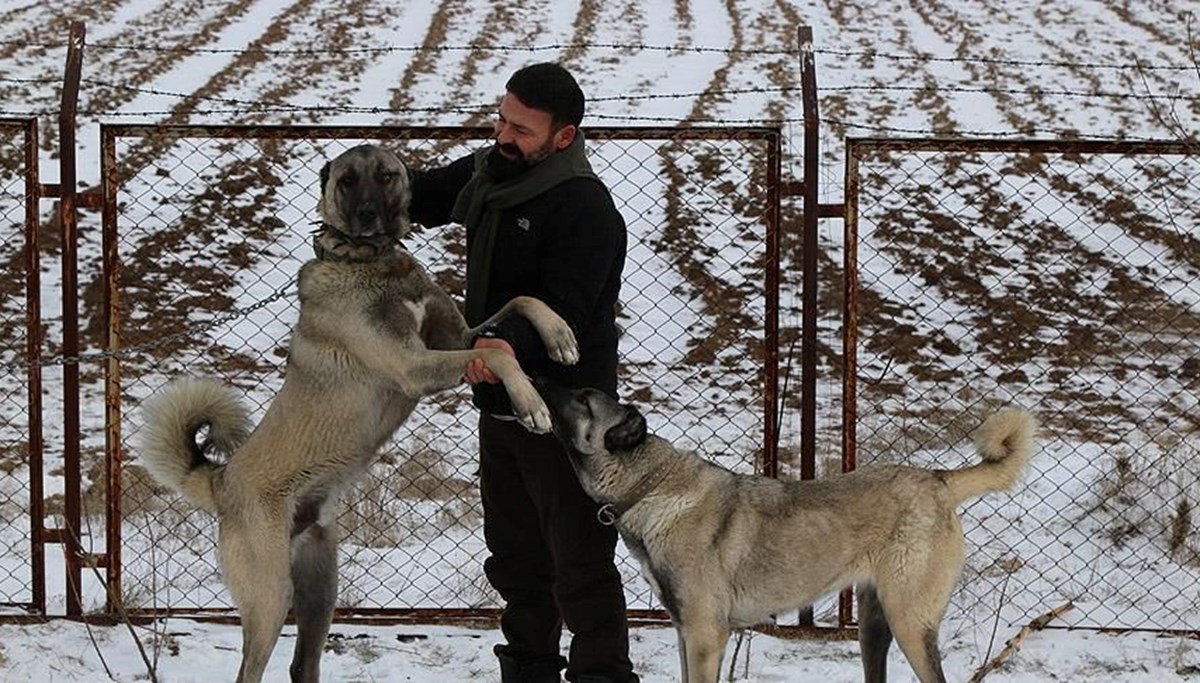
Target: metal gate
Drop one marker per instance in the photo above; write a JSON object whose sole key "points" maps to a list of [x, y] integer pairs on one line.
{"points": [[1062, 276], [203, 231], [22, 559]]}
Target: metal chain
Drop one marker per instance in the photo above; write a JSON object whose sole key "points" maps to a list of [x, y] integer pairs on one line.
{"points": [[127, 351]]}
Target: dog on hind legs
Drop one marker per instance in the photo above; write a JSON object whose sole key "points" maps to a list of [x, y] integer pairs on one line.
{"points": [[725, 551], [374, 335]]}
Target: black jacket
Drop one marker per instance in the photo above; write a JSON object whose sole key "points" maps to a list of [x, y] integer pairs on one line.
{"points": [[565, 247]]}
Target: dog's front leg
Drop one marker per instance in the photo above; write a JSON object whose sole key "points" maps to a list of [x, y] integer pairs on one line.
{"points": [[556, 334], [420, 372], [527, 403]]}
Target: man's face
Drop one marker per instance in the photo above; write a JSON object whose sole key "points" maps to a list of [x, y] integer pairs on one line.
{"points": [[525, 135]]}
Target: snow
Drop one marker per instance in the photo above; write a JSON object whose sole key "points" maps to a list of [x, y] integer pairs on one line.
{"points": [[1047, 539]]}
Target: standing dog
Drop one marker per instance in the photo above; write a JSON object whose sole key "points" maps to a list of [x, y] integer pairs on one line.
{"points": [[375, 334], [724, 550]]}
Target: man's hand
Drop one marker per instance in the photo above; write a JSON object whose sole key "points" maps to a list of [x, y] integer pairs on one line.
{"points": [[477, 370]]}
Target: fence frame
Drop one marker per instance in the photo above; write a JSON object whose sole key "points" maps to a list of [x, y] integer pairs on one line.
{"points": [[27, 129], [858, 148], [771, 137]]}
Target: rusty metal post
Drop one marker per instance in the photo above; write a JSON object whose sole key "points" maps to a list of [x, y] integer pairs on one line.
{"points": [[112, 368], [70, 309], [850, 341], [808, 301], [771, 407], [33, 356], [808, 320]]}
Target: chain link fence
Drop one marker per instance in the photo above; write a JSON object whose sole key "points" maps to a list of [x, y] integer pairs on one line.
{"points": [[209, 229], [1063, 277], [20, 498], [1060, 276]]}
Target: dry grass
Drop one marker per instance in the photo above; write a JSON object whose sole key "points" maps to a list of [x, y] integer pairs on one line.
{"points": [[1181, 527], [140, 495], [935, 427], [1148, 496], [381, 512], [475, 591], [13, 456]]}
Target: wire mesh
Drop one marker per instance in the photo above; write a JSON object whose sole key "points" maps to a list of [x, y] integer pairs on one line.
{"points": [[1061, 277], [16, 548], [211, 228]]}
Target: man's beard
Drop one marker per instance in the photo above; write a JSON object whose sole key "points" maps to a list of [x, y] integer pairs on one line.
{"points": [[513, 162]]}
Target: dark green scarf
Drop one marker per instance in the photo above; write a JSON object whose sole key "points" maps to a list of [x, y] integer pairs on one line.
{"points": [[484, 197]]}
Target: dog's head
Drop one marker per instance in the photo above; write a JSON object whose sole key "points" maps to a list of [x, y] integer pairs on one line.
{"points": [[364, 202], [607, 441]]}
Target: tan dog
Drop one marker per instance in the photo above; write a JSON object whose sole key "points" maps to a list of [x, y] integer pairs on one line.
{"points": [[375, 334], [724, 550]]}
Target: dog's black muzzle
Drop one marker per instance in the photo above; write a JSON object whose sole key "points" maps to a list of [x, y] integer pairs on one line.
{"points": [[569, 407]]}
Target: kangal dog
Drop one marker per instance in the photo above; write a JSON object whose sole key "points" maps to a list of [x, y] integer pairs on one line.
{"points": [[374, 335], [725, 550]]}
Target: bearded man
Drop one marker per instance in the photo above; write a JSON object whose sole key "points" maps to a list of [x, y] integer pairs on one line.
{"points": [[540, 223]]}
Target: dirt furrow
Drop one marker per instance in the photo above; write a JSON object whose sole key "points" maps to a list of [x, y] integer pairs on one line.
{"points": [[1104, 329], [206, 219], [187, 20], [720, 305]]}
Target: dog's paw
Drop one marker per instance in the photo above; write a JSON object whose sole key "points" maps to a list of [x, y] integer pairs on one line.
{"points": [[533, 414], [537, 421], [560, 342], [565, 351]]}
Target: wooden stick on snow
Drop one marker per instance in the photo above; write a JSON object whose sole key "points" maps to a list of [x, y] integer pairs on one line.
{"points": [[1014, 643]]}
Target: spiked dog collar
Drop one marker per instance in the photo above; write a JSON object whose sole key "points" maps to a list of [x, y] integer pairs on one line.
{"points": [[331, 244]]}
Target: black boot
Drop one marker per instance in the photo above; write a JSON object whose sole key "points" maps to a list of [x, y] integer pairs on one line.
{"points": [[514, 669]]}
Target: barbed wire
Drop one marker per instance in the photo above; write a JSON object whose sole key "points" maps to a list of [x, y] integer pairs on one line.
{"points": [[631, 97], [391, 49], [243, 106], [490, 105], [1137, 64], [383, 111], [32, 81], [1063, 133], [618, 46], [1040, 92]]}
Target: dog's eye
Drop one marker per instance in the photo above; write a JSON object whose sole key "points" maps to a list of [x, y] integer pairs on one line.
{"points": [[347, 180], [388, 176]]}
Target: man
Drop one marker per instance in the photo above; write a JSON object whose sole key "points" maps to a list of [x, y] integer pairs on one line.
{"points": [[540, 223]]}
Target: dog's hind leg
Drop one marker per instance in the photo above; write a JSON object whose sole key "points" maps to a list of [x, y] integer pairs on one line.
{"points": [[919, 642], [254, 561], [704, 643], [314, 595], [874, 635], [683, 662], [914, 621]]}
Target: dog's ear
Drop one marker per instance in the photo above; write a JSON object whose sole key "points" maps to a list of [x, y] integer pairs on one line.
{"points": [[627, 434], [324, 178]]}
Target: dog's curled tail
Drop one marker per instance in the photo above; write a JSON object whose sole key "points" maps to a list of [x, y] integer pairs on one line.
{"points": [[1005, 444], [167, 441]]}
